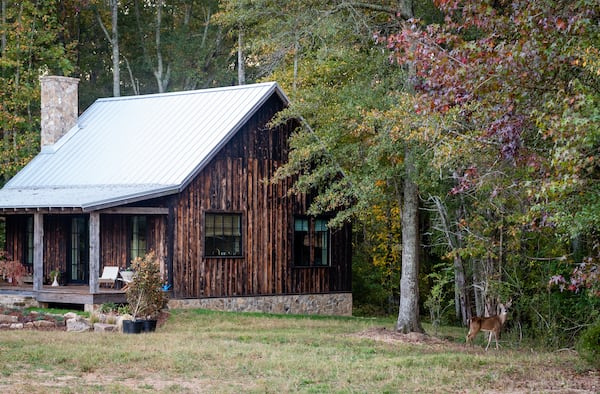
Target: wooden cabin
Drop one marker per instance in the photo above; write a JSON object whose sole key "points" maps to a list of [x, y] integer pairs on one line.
{"points": [[183, 174]]}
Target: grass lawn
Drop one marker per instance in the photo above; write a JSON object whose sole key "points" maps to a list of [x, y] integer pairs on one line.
{"points": [[202, 351]]}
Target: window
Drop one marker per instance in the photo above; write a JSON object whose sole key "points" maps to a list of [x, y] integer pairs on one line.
{"points": [[138, 236], [311, 242], [29, 242], [222, 234]]}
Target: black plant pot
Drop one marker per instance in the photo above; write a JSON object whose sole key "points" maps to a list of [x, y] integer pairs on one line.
{"points": [[132, 327], [148, 325]]}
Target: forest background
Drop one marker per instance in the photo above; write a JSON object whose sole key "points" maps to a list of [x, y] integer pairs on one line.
{"points": [[467, 132]]}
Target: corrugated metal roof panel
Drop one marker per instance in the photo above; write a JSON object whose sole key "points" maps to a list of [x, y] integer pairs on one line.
{"points": [[134, 145]]}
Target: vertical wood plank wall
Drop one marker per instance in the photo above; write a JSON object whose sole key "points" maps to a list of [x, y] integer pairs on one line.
{"points": [[234, 182], [114, 239]]}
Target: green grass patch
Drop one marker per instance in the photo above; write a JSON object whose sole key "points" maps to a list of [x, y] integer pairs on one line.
{"points": [[205, 351]]}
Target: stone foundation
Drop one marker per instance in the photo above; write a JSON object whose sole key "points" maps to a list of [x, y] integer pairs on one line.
{"points": [[300, 304], [18, 301]]}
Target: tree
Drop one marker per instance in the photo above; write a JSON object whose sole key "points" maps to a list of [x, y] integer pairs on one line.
{"points": [[352, 127], [516, 86], [29, 46], [113, 39]]}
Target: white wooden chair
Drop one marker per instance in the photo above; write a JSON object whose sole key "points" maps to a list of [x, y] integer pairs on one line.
{"points": [[126, 277], [109, 276]]}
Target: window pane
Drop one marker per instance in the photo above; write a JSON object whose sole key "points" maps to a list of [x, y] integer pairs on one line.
{"points": [[29, 241], [320, 225], [301, 225], [222, 234], [301, 242], [321, 242], [138, 242]]}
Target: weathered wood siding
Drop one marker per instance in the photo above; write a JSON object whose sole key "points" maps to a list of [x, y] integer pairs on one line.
{"points": [[114, 239], [234, 181], [115, 232], [56, 242], [15, 232], [56, 233]]}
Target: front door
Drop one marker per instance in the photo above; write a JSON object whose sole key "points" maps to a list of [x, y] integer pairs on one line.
{"points": [[78, 268]]}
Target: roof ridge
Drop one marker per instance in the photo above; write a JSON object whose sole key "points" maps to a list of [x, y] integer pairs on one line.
{"points": [[187, 92]]}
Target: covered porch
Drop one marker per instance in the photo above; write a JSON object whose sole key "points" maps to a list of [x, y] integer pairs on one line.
{"points": [[72, 294], [68, 241]]}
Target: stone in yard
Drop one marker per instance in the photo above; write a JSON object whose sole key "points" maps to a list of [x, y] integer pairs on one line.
{"points": [[44, 324], [16, 326], [78, 324], [70, 315], [105, 327], [8, 319]]}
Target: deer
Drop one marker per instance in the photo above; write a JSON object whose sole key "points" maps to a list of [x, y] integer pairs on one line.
{"points": [[492, 324]]}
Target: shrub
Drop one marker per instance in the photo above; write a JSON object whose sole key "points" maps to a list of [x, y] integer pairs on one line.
{"points": [[107, 307], [588, 345], [12, 270], [144, 294]]}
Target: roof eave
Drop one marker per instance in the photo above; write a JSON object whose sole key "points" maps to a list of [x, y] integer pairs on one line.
{"points": [[130, 199]]}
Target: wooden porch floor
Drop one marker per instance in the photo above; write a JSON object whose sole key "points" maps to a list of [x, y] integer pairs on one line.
{"points": [[71, 294]]}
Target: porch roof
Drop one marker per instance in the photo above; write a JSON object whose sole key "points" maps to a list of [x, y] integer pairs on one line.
{"points": [[127, 149]]}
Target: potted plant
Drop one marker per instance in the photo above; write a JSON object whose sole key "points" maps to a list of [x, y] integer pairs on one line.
{"points": [[144, 294], [54, 275]]}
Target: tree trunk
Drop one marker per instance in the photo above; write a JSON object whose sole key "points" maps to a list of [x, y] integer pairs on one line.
{"points": [[463, 308], [3, 22], [408, 313], [461, 299], [241, 66], [162, 77], [115, 49], [113, 39]]}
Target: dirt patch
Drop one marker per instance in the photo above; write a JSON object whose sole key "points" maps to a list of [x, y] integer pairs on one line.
{"points": [[554, 379], [390, 336]]}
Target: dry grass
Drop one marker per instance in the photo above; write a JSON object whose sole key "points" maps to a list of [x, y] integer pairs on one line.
{"points": [[200, 351]]}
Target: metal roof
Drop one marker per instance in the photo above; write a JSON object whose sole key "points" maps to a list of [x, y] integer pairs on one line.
{"points": [[126, 149]]}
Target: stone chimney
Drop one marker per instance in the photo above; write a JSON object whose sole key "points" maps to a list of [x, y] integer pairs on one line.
{"points": [[59, 107]]}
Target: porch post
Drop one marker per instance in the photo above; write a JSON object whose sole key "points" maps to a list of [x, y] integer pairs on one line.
{"points": [[94, 252], [38, 251]]}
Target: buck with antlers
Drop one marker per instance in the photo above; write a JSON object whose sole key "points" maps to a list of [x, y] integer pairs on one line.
{"points": [[492, 324]]}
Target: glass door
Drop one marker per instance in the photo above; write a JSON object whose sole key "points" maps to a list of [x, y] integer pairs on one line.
{"points": [[78, 270]]}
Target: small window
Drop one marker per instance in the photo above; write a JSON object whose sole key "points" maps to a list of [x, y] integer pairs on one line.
{"points": [[222, 234], [138, 243], [311, 242], [29, 242]]}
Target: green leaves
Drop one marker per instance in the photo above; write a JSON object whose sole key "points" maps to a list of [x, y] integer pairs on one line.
{"points": [[30, 46]]}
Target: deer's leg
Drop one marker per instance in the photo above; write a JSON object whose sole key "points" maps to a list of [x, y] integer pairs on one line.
{"points": [[496, 336], [490, 340]]}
